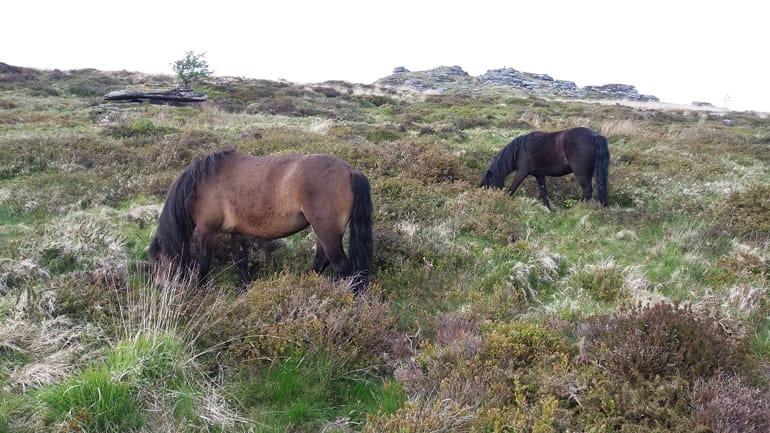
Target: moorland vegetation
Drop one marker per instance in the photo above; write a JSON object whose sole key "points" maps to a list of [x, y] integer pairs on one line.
{"points": [[486, 313]]}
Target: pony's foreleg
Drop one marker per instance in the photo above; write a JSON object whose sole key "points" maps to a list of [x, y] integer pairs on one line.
{"points": [[320, 262], [543, 191], [204, 258], [240, 252], [516, 182]]}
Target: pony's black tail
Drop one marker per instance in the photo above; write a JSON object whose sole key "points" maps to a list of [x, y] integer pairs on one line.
{"points": [[601, 168], [176, 225], [361, 232]]}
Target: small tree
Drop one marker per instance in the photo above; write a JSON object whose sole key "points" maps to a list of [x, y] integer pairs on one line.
{"points": [[191, 68]]}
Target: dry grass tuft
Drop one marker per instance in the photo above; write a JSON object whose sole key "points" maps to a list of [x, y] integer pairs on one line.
{"points": [[620, 128], [53, 345], [423, 416]]}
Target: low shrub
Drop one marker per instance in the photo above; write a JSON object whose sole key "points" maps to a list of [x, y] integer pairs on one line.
{"points": [[517, 345], [724, 403], [747, 213], [611, 404], [379, 135], [289, 314], [421, 161], [487, 214], [643, 342]]}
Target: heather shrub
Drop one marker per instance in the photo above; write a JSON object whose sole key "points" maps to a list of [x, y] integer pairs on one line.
{"points": [[488, 214], [747, 213], [421, 161], [458, 342], [382, 134], [470, 121], [470, 365], [517, 345], [612, 404], [643, 342], [726, 404], [306, 313]]}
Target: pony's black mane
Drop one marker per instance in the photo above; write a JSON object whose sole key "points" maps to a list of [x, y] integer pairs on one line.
{"points": [[505, 162], [175, 225]]}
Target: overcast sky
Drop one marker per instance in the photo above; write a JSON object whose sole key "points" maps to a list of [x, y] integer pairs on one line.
{"points": [[679, 51]]}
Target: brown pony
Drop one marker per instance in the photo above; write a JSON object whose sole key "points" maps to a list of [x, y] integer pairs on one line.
{"points": [[268, 198], [582, 151]]}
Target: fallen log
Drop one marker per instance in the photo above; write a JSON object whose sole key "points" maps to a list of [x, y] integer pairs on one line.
{"points": [[174, 96]]}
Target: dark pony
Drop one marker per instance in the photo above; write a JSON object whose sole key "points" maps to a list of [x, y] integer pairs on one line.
{"points": [[268, 198], [582, 151]]}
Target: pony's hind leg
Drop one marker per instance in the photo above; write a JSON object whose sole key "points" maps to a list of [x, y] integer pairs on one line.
{"points": [[240, 251], [320, 262], [332, 248], [585, 184]]}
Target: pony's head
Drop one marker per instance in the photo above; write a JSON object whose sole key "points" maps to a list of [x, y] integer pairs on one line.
{"points": [[489, 180], [155, 251]]}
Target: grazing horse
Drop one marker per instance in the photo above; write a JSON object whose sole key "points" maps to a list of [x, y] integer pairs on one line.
{"points": [[268, 198], [582, 151]]}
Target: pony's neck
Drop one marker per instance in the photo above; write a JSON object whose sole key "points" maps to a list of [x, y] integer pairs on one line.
{"points": [[506, 160]]}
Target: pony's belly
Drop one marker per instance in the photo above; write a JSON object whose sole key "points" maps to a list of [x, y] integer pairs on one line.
{"points": [[269, 228]]}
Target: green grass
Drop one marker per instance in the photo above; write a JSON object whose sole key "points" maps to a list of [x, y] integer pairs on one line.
{"points": [[304, 392], [93, 401]]}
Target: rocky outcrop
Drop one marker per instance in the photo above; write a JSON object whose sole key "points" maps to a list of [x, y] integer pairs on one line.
{"points": [[173, 96], [444, 78], [619, 91], [438, 79]]}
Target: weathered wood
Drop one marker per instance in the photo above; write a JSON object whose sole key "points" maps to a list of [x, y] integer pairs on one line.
{"points": [[167, 96]]}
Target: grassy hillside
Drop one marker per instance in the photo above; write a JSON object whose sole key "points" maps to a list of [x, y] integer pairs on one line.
{"points": [[487, 313]]}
